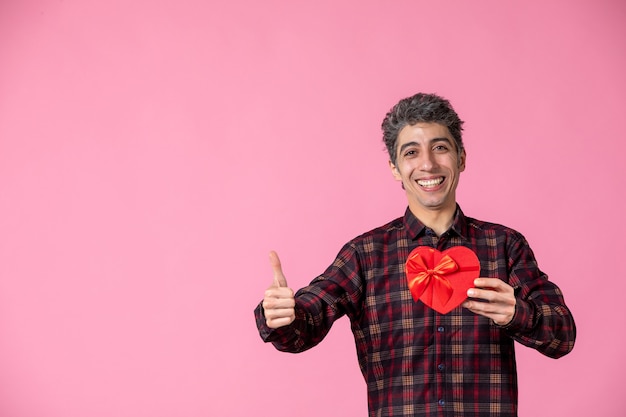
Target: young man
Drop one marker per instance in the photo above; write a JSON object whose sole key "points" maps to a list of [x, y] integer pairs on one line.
{"points": [[416, 361]]}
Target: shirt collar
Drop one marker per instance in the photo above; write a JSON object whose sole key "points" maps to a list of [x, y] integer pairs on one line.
{"points": [[415, 227]]}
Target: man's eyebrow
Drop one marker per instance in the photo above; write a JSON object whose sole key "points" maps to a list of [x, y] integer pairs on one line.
{"points": [[406, 145], [430, 142]]}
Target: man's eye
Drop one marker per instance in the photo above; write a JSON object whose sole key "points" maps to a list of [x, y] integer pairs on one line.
{"points": [[410, 153], [441, 148]]}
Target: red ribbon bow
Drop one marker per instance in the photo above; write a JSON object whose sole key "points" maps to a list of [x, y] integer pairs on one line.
{"points": [[421, 278]]}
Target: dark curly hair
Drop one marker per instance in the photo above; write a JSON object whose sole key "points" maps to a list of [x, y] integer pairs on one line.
{"points": [[420, 108]]}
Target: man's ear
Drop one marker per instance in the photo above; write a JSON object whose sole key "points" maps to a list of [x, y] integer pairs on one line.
{"points": [[462, 159], [395, 172]]}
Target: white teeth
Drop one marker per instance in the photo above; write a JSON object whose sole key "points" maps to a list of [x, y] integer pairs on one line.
{"points": [[430, 183]]}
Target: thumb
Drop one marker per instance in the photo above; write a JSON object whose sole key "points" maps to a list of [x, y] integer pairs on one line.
{"points": [[279, 277]]}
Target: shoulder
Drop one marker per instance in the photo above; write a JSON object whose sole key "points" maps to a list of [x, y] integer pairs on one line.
{"points": [[375, 247], [381, 233], [492, 229], [494, 234], [378, 239]]}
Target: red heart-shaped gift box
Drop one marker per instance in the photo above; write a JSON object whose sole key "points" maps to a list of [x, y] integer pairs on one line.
{"points": [[441, 279]]}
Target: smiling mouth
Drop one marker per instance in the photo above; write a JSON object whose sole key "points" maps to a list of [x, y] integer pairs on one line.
{"points": [[429, 183]]}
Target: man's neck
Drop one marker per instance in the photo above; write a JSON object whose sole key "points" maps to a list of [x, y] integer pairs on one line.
{"points": [[437, 220]]}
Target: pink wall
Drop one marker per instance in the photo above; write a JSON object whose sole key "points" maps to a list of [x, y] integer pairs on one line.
{"points": [[153, 152]]}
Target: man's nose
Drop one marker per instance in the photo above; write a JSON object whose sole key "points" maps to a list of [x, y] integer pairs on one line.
{"points": [[426, 162]]}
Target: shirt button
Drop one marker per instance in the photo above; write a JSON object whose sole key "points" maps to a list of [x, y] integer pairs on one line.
{"points": [[440, 329], [441, 402], [441, 366]]}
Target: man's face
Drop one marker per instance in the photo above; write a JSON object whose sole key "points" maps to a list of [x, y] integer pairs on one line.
{"points": [[428, 164]]}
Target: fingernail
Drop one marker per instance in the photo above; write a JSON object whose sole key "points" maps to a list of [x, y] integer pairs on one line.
{"points": [[470, 292]]}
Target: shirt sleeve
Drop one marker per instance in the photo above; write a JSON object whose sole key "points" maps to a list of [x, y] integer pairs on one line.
{"points": [[542, 321], [328, 297]]}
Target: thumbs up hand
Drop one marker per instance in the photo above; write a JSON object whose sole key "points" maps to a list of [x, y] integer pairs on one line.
{"points": [[279, 300]]}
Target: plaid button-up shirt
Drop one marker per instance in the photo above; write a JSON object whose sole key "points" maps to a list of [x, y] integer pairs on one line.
{"points": [[415, 361]]}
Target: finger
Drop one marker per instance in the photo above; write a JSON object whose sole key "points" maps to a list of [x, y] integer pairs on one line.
{"points": [[499, 314], [280, 313], [278, 302], [279, 277], [480, 294], [500, 296], [279, 292], [279, 322], [489, 283], [479, 306], [473, 293]]}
